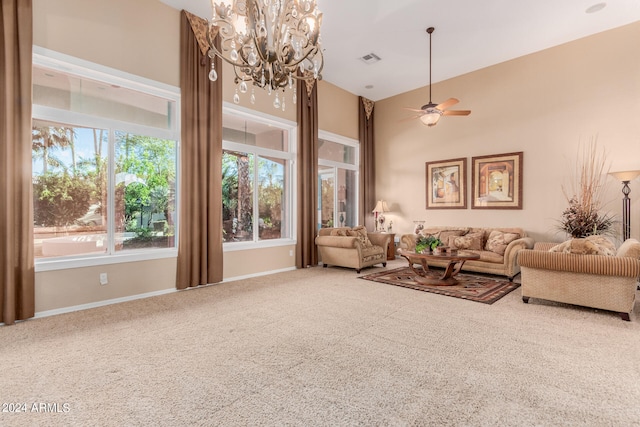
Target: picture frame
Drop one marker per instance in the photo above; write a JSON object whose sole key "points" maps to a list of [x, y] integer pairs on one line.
{"points": [[446, 184], [496, 181]]}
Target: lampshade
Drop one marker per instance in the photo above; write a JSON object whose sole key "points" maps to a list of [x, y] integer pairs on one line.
{"points": [[431, 118], [381, 206], [625, 175]]}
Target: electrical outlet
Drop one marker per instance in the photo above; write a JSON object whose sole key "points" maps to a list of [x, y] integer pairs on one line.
{"points": [[291, 252], [103, 279]]}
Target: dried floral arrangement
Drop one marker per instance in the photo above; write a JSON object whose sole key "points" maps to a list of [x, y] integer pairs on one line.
{"points": [[584, 215]]}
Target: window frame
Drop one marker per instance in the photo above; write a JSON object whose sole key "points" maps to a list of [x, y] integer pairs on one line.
{"points": [[85, 69], [290, 190], [355, 167]]}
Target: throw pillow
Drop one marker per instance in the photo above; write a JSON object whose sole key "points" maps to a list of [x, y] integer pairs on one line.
{"points": [[445, 234], [498, 241], [361, 233], [591, 245], [338, 232], [630, 248], [471, 241]]}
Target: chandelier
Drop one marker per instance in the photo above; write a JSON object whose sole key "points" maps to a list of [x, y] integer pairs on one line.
{"points": [[267, 42]]}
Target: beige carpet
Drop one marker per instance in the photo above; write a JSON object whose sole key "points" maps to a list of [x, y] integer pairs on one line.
{"points": [[321, 347]]}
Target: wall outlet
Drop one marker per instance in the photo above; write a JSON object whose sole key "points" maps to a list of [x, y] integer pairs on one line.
{"points": [[104, 279], [291, 252]]}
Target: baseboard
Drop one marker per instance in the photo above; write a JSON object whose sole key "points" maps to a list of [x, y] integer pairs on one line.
{"points": [[262, 273], [96, 304], [70, 309]]}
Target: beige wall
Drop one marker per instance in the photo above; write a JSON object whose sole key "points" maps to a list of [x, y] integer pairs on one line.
{"points": [[545, 104], [141, 37]]}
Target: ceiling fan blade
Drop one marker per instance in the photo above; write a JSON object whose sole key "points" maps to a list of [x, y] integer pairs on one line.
{"points": [[414, 109], [409, 118], [446, 104], [456, 113]]}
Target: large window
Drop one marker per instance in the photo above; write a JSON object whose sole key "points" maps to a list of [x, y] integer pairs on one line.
{"points": [[338, 162], [105, 153], [257, 179]]}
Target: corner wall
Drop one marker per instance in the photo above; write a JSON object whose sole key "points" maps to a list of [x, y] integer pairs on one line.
{"points": [[544, 104]]}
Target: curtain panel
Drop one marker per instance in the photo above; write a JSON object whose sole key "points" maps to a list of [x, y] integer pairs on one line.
{"points": [[367, 162], [17, 273], [200, 241], [307, 117]]}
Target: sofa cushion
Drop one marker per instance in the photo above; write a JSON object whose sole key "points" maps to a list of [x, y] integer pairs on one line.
{"points": [[590, 245], [472, 241], [498, 241], [488, 256], [338, 232], [630, 248], [373, 253], [361, 233]]}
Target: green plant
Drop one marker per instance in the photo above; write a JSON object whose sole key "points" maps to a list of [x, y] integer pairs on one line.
{"points": [[424, 242]]}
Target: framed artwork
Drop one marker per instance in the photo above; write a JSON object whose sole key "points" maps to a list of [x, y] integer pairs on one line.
{"points": [[496, 181], [447, 184]]}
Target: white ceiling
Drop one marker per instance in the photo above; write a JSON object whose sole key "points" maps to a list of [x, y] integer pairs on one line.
{"points": [[469, 35]]}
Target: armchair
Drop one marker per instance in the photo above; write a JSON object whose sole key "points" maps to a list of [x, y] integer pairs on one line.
{"points": [[352, 247]]}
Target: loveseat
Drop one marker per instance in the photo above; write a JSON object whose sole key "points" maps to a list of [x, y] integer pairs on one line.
{"points": [[352, 247], [498, 247], [580, 273]]}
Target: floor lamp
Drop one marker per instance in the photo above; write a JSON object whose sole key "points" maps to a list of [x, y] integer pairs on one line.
{"points": [[625, 177]]}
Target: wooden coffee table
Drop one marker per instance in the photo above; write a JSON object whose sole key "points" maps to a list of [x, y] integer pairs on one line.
{"points": [[456, 261]]}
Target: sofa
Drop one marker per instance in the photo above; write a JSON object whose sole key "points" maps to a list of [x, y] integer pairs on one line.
{"points": [[575, 272], [352, 247], [498, 247]]}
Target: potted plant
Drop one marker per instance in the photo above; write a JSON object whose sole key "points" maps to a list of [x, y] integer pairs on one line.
{"points": [[426, 244], [584, 217]]}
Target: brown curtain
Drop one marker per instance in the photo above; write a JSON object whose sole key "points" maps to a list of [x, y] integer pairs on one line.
{"points": [[367, 163], [200, 244], [307, 112], [17, 275]]}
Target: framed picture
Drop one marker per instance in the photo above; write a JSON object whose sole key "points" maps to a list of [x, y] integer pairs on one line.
{"points": [[447, 184], [496, 181]]}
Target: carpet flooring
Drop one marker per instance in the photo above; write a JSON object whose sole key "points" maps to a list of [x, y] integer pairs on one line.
{"points": [[320, 347], [473, 287]]}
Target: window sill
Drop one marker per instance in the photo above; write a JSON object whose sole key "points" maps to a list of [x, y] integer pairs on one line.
{"points": [[92, 261]]}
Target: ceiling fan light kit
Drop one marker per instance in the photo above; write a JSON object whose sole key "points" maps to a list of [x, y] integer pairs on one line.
{"points": [[429, 114]]}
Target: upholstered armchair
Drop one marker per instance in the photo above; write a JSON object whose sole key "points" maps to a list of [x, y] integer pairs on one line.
{"points": [[352, 247], [599, 281]]}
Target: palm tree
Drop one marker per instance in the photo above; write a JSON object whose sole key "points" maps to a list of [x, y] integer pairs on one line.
{"points": [[44, 138]]}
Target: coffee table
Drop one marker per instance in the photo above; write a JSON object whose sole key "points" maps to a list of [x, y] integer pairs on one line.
{"points": [[456, 261]]}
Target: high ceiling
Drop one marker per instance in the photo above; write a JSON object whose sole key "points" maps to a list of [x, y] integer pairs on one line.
{"points": [[469, 35]]}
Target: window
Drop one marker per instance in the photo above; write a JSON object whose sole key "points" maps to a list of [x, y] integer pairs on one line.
{"points": [[257, 179], [105, 150], [338, 163]]}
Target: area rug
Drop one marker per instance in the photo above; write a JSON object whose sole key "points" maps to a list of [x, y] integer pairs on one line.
{"points": [[484, 289]]}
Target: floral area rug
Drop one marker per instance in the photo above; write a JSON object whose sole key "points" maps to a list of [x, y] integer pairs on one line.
{"points": [[484, 289]]}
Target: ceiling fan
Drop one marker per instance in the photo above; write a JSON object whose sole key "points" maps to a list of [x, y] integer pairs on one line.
{"points": [[430, 113]]}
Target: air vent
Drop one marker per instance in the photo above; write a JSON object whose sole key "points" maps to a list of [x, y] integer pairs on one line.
{"points": [[370, 58]]}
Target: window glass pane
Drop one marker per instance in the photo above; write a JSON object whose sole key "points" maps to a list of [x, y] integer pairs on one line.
{"points": [[69, 189], [271, 187], [145, 189], [347, 203], [326, 193], [240, 130], [237, 196], [328, 150], [52, 88]]}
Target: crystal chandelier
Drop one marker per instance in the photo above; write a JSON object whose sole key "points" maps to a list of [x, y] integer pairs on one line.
{"points": [[267, 42]]}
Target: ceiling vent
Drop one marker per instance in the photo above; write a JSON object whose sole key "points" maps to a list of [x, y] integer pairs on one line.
{"points": [[370, 58]]}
